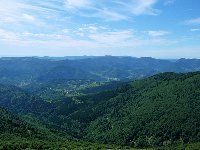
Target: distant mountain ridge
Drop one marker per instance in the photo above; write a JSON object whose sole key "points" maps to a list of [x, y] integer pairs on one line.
{"points": [[28, 70]]}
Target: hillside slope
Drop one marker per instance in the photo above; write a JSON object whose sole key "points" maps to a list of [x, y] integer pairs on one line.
{"points": [[17, 134], [159, 110], [18, 101], [13, 126]]}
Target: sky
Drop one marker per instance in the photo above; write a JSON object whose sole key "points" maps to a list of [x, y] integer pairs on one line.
{"points": [[139, 28]]}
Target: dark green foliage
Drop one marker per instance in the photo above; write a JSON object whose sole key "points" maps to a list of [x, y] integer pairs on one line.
{"points": [[17, 127], [17, 143], [103, 87], [17, 134], [16, 100], [156, 111]]}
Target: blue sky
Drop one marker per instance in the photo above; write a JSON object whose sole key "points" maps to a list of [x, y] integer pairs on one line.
{"points": [[155, 28]]}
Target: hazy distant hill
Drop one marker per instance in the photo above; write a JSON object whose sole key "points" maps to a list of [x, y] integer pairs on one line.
{"points": [[29, 70]]}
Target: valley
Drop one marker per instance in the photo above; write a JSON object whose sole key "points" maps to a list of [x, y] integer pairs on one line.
{"points": [[153, 109]]}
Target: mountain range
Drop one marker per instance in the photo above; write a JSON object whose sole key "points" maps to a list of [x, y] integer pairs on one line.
{"points": [[29, 70]]}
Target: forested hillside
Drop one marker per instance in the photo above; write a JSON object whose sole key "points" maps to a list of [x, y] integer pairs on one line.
{"points": [[161, 110], [16, 134], [12, 125], [14, 130], [21, 102]]}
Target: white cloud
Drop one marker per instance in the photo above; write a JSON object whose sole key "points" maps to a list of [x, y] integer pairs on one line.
{"points": [[193, 30], [80, 34], [89, 28], [110, 15], [39, 13], [112, 38], [169, 2], [8, 36], [73, 4], [101, 38], [34, 13], [28, 37], [65, 31], [10, 11], [29, 17], [195, 21], [15, 13], [112, 10], [157, 33], [86, 29], [43, 37], [144, 7]]}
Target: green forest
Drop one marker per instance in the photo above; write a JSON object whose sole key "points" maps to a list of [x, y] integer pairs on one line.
{"points": [[158, 112]]}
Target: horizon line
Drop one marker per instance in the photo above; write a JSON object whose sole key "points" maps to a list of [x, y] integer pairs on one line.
{"points": [[48, 56]]}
